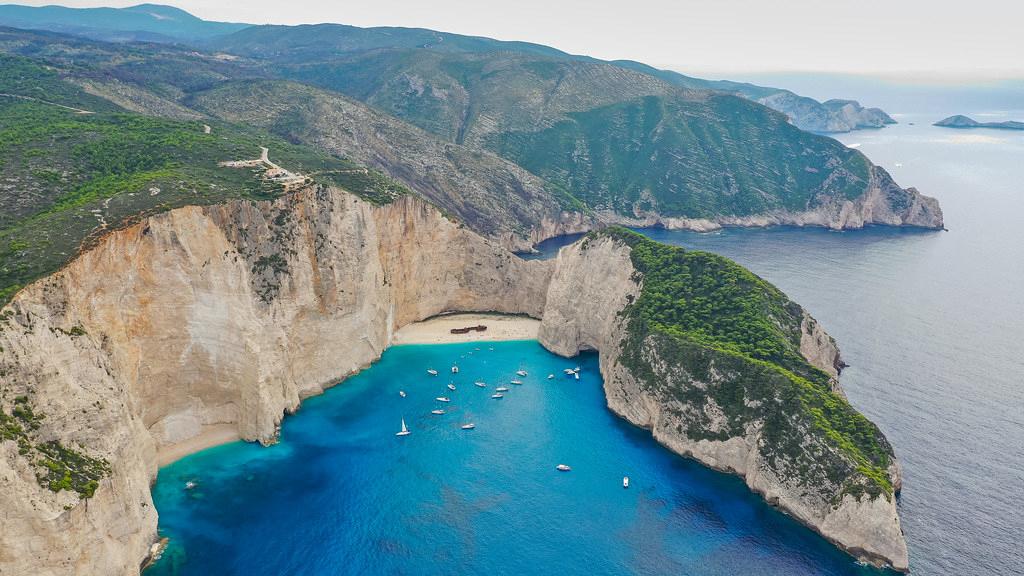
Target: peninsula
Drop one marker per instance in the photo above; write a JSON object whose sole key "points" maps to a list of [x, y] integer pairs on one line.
{"points": [[960, 121]]}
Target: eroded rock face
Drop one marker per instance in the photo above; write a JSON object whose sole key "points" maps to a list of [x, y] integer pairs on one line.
{"points": [[207, 316], [229, 315], [581, 314]]}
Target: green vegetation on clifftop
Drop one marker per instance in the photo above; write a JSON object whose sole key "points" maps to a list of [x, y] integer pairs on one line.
{"points": [[70, 176], [701, 318]]}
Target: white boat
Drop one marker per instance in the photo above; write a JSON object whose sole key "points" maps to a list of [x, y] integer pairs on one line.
{"points": [[455, 369], [190, 485], [501, 389], [497, 395], [405, 430], [568, 371], [438, 411], [431, 371], [401, 393], [577, 369], [563, 468], [451, 387], [521, 372], [516, 382], [480, 384], [550, 376], [577, 375], [625, 481], [469, 426], [442, 399]]}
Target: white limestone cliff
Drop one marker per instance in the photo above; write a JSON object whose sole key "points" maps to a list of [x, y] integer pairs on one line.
{"points": [[583, 314], [226, 316]]}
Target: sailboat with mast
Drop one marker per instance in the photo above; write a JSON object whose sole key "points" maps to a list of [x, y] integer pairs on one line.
{"points": [[405, 430]]}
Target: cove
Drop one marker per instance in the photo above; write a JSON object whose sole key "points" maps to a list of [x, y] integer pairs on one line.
{"points": [[341, 494]]}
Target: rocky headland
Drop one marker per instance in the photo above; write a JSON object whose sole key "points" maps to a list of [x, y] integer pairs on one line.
{"points": [[220, 319], [961, 121]]}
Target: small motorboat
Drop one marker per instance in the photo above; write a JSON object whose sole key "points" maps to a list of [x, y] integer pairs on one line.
{"points": [[451, 387], [501, 389], [625, 481], [431, 371], [401, 393], [576, 375], [404, 431], [563, 468], [442, 399], [469, 426], [455, 369], [516, 382], [521, 372], [438, 411], [480, 384], [577, 369], [190, 485], [497, 395], [568, 371], [550, 376]]}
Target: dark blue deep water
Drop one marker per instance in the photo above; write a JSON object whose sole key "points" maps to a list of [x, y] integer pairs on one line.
{"points": [[342, 495]]}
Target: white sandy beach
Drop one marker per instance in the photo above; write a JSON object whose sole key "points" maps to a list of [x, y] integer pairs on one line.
{"points": [[210, 436], [437, 330]]}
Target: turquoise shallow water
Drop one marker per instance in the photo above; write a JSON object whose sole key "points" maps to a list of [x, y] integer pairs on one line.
{"points": [[341, 494]]}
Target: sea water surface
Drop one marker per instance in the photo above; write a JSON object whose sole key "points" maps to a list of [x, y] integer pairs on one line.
{"points": [[341, 494], [932, 325]]}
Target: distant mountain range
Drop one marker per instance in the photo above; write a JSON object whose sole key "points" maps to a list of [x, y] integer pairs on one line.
{"points": [[960, 121], [145, 22], [158, 23]]}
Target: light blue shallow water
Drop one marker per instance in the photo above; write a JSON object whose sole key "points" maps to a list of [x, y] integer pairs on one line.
{"points": [[342, 495]]}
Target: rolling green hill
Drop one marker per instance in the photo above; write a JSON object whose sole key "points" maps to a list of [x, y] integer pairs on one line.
{"points": [[75, 166]]}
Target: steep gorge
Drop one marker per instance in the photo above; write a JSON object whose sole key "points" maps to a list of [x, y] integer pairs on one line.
{"points": [[229, 315]]}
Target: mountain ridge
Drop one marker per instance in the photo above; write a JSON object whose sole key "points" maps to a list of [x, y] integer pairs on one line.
{"points": [[155, 22]]}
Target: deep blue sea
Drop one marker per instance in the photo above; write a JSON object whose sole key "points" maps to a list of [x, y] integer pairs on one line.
{"points": [[932, 324], [341, 494]]}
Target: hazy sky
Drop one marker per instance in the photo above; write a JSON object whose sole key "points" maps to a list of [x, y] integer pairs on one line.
{"points": [[915, 38]]}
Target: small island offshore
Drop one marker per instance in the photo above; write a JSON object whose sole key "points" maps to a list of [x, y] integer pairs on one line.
{"points": [[961, 121]]}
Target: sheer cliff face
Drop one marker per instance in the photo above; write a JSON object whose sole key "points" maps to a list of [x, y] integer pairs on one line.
{"points": [[214, 315], [229, 315], [676, 400]]}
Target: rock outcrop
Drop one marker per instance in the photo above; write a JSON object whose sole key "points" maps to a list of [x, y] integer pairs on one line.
{"points": [[884, 203], [229, 315], [585, 315], [830, 116]]}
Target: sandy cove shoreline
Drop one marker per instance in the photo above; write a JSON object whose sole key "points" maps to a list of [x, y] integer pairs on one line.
{"points": [[436, 330], [211, 436]]}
